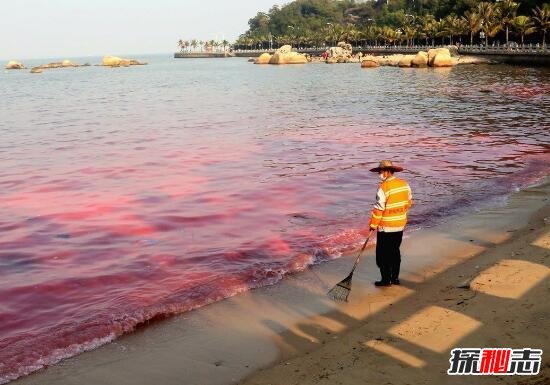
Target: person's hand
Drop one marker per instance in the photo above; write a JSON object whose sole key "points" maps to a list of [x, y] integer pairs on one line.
{"points": [[367, 231]]}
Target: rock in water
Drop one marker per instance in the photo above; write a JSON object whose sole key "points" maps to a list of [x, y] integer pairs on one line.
{"points": [[285, 55], [113, 61], [14, 65], [369, 62], [342, 53], [442, 59], [36, 70], [263, 59], [406, 61], [420, 60], [67, 63], [433, 52], [284, 49]]}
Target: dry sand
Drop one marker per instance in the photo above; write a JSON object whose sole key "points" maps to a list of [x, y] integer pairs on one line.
{"points": [[397, 335]]}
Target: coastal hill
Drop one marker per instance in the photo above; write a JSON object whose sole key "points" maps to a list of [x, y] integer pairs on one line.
{"points": [[317, 23]]}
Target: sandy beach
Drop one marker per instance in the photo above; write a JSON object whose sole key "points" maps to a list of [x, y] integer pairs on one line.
{"points": [[291, 333], [407, 336]]}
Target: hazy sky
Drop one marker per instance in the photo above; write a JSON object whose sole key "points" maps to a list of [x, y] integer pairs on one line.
{"points": [[63, 28]]}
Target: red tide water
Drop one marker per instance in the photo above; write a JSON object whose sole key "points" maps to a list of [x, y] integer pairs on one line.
{"points": [[169, 195]]}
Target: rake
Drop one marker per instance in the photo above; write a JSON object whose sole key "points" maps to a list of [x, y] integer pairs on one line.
{"points": [[341, 290]]}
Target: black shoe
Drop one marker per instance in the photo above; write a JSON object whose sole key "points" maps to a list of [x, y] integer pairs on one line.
{"points": [[395, 282], [382, 283]]}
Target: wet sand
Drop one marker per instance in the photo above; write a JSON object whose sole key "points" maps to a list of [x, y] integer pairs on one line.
{"points": [[291, 333]]}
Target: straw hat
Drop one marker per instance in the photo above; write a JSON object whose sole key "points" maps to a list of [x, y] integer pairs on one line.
{"points": [[386, 165]]}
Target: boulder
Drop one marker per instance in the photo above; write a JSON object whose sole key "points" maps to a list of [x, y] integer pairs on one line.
{"points": [[442, 59], [263, 59], [369, 62], [113, 61], [285, 55], [67, 63], [342, 52], [284, 49], [36, 70], [406, 61], [420, 60], [331, 60], [391, 60], [14, 65], [453, 50], [434, 51]]}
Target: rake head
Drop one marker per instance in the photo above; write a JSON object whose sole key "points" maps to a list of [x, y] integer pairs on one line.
{"points": [[341, 290]]}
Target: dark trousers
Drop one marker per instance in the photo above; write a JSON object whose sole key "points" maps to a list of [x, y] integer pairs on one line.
{"points": [[388, 256]]}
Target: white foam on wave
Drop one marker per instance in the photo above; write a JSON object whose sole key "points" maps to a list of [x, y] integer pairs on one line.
{"points": [[57, 355]]}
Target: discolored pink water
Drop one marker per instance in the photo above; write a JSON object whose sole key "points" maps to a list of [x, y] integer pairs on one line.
{"points": [[132, 194]]}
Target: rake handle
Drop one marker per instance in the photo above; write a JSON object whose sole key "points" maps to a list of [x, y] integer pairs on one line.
{"points": [[361, 252]]}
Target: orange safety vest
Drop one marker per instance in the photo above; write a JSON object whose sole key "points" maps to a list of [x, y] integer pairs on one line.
{"points": [[398, 200]]}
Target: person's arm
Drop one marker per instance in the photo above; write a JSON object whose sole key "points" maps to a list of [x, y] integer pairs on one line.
{"points": [[410, 198], [378, 209]]}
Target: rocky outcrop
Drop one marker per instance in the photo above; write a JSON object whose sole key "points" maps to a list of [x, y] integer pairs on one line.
{"points": [[14, 65], [285, 55], [263, 59], [342, 53], [420, 60], [406, 61], [113, 61], [436, 57], [36, 70]]}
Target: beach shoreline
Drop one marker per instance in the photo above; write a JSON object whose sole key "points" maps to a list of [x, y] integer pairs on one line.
{"points": [[273, 324], [491, 299]]}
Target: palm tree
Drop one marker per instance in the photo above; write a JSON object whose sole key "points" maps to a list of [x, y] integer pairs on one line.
{"points": [[486, 12], [472, 22], [225, 43], [181, 44], [353, 35], [451, 27], [493, 25], [378, 34], [194, 44], [429, 27], [507, 9], [389, 35], [541, 19], [523, 25], [408, 34]]}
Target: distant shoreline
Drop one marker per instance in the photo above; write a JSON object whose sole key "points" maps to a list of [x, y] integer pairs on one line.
{"points": [[529, 57]]}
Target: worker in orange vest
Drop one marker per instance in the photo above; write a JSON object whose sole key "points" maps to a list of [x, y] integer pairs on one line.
{"points": [[389, 217]]}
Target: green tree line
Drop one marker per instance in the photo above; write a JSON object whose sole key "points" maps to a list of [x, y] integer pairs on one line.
{"points": [[317, 23]]}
